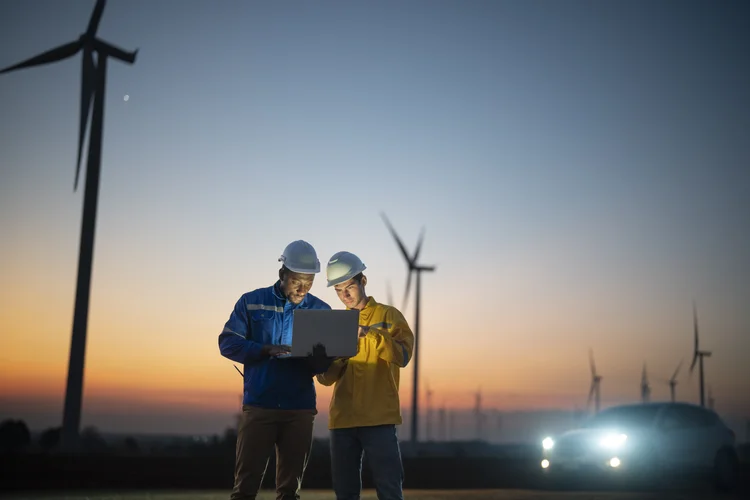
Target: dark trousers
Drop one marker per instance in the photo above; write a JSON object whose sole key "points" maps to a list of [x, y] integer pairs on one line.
{"points": [[380, 444], [261, 430]]}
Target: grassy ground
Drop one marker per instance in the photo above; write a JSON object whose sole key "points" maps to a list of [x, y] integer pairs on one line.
{"points": [[370, 495]]}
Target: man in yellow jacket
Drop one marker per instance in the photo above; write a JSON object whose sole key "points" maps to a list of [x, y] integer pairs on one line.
{"points": [[365, 407]]}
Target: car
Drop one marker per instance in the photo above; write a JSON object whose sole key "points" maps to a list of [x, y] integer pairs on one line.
{"points": [[646, 440]]}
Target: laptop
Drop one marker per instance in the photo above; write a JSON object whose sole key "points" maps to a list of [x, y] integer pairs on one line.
{"points": [[337, 330]]}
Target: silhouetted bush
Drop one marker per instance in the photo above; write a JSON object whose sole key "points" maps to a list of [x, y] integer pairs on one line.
{"points": [[14, 436], [50, 438], [131, 445], [92, 441]]}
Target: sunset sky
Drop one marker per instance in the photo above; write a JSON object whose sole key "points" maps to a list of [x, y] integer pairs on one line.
{"points": [[581, 169]]}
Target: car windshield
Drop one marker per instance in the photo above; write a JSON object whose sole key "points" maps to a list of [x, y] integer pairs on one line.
{"points": [[630, 416]]}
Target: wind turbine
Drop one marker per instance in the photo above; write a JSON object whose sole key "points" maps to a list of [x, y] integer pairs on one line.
{"points": [[413, 267], [711, 400], [93, 85], [698, 355], [596, 380], [673, 381], [645, 388]]}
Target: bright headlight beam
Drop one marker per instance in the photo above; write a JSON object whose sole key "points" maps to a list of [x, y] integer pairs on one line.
{"points": [[613, 440], [547, 443]]}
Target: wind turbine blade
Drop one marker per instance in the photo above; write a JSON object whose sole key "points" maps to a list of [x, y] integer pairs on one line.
{"points": [[695, 358], [674, 376], [591, 362], [419, 245], [398, 241], [88, 75], [96, 16], [53, 55], [406, 290]]}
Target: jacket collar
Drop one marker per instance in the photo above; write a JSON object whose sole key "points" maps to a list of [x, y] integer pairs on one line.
{"points": [[365, 313]]}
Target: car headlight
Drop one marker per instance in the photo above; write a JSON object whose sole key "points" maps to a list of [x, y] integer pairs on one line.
{"points": [[613, 440], [548, 443]]}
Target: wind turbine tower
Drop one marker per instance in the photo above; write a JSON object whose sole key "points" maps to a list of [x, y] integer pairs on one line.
{"points": [[698, 356], [93, 86], [645, 388], [413, 267], [596, 380], [711, 399]]}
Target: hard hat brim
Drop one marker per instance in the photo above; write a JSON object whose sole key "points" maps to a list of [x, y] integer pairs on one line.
{"points": [[345, 277], [301, 270]]}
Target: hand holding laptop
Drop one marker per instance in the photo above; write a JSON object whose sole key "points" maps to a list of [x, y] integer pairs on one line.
{"points": [[319, 359]]}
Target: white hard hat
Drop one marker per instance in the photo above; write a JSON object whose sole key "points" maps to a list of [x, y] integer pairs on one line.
{"points": [[299, 256], [343, 266]]}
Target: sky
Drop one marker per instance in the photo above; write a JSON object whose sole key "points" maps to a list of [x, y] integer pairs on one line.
{"points": [[580, 169]]}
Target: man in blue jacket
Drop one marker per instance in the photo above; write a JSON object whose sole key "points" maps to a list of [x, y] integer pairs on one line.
{"points": [[278, 404]]}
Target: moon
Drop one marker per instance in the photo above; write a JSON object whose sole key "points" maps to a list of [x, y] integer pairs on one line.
{"points": [[126, 98]]}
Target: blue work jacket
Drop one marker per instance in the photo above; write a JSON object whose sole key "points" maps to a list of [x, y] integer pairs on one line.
{"points": [[264, 316]]}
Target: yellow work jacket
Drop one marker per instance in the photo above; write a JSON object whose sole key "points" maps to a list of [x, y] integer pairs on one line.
{"points": [[365, 391]]}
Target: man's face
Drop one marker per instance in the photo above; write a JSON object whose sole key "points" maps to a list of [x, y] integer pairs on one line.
{"points": [[296, 285], [351, 293]]}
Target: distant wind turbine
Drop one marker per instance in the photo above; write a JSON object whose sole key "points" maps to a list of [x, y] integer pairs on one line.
{"points": [[645, 388], [596, 380], [698, 356], [389, 293], [413, 267], [93, 85], [673, 382]]}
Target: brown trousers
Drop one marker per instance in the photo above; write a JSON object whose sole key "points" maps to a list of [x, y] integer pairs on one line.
{"points": [[290, 432]]}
